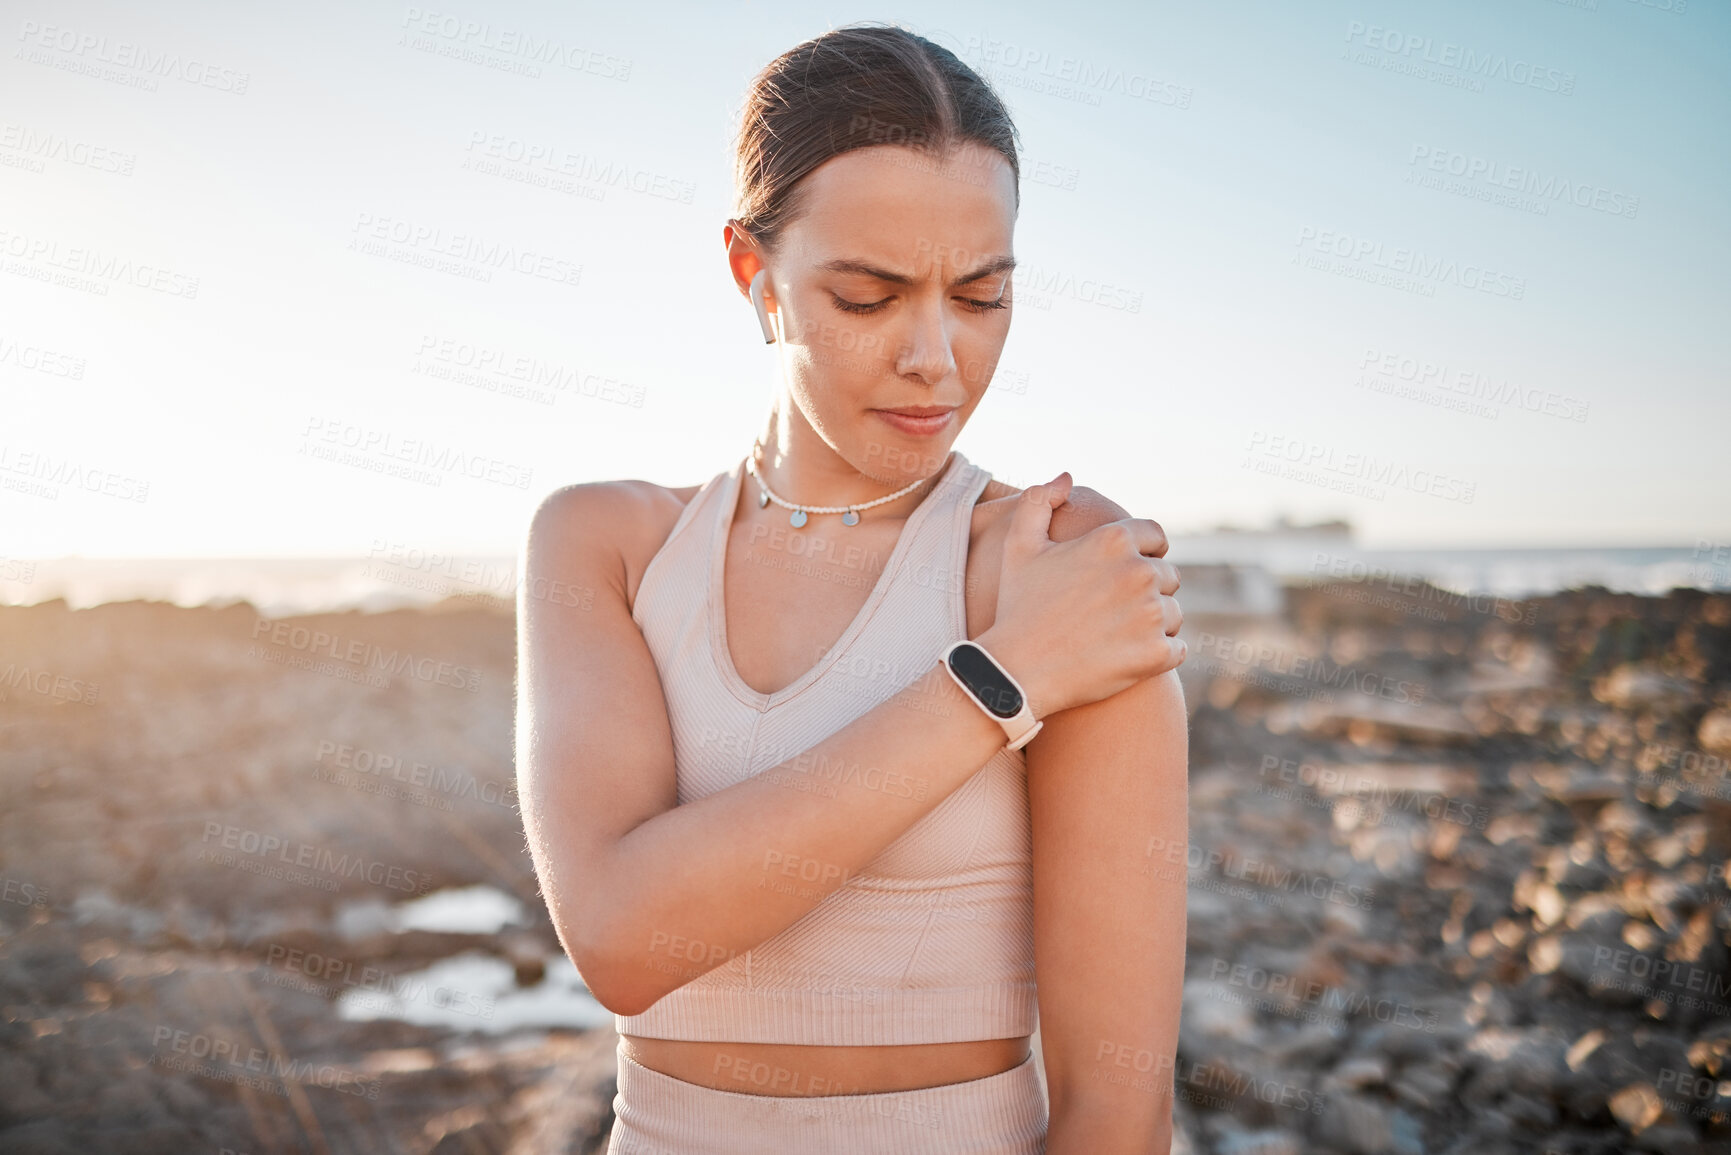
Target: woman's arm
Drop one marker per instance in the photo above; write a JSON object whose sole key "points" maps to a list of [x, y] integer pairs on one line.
{"points": [[1106, 782], [645, 894]]}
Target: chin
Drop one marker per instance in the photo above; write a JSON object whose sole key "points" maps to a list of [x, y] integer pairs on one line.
{"points": [[904, 458]]}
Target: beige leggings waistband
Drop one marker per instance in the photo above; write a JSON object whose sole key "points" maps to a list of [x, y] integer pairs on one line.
{"points": [[1002, 1114]]}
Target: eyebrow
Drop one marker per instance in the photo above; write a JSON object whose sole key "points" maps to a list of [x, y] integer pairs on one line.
{"points": [[864, 268]]}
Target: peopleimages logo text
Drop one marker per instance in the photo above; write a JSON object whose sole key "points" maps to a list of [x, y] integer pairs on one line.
{"points": [[1362, 466], [1546, 186], [1413, 262], [125, 54], [385, 445], [294, 853], [1447, 54]]}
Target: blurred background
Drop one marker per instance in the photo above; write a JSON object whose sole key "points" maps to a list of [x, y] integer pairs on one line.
{"points": [[1406, 321]]}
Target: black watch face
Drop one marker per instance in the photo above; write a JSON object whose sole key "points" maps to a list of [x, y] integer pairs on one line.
{"points": [[988, 683]]}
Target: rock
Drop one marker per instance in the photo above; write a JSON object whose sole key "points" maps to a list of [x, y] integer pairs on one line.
{"points": [[1414, 786], [1605, 1062], [1711, 1050], [1527, 1111], [1562, 869], [1372, 718], [1586, 959], [98, 909], [1407, 1044], [1362, 1126], [467, 1129], [1535, 669], [1267, 1142], [41, 1137], [1308, 1047], [1631, 685], [1630, 821], [1567, 835], [1714, 733], [1637, 1107], [1599, 915], [1506, 828], [1346, 920], [1575, 782], [128, 1103], [1528, 1060], [527, 955], [1184, 1132], [1356, 1074], [1428, 1085], [1213, 1010], [1582, 1048], [1448, 1022], [1485, 1138], [1665, 1138], [1548, 905], [20, 1097]]}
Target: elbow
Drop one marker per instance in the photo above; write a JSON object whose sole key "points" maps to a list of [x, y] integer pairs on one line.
{"points": [[594, 921], [617, 1002], [588, 928], [623, 998], [620, 988], [599, 980]]}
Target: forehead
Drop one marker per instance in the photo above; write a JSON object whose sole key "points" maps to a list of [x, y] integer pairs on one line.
{"points": [[905, 204]]}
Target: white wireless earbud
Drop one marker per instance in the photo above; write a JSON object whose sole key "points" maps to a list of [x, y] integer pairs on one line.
{"points": [[762, 310]]}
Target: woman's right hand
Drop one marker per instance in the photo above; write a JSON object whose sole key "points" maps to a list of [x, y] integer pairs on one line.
{"points": [[1080, 620]]}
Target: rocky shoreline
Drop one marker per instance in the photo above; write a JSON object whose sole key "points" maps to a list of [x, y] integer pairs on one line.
{"points": [[1458, 880], [1456, 873]]}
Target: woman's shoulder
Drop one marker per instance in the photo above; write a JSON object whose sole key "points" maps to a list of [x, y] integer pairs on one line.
{"points": [[1085, 509], [622, 521], [608, 507]]}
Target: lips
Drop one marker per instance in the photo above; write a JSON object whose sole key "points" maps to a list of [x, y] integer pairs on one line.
{"points": [[919, 410], [917, 420]]}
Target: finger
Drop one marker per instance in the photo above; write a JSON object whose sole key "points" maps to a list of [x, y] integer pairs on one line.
{"points": [[1165, 575], [1175, 651], [1158, 549], [1058, 489], [1031, 523], [1171, 615], [1150, 539]]}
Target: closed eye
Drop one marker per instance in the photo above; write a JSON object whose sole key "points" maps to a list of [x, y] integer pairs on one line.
{"points": [[848, 306]]}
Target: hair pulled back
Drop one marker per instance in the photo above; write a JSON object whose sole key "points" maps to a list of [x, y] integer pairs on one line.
{"points": [[851, 88]]}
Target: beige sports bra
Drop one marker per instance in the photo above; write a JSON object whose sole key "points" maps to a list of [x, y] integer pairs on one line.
{"points": [[932, 941]]}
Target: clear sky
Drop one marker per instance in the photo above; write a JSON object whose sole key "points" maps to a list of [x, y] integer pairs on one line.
{"points": [[1457, 273]]}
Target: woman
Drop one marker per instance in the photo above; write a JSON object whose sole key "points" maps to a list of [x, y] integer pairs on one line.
{"points": [[809, 863]]}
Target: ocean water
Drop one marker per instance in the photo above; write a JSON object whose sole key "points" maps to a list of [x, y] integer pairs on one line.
{"points": [[1501, 572], [470, 991], [282, 587], [277, 587]]}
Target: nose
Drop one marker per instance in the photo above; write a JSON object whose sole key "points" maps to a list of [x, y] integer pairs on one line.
{"points": [[925, 350]]}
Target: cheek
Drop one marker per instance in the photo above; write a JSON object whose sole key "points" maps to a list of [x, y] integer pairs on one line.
{"points": [[977, 358], [841, 351], [832, 384]]}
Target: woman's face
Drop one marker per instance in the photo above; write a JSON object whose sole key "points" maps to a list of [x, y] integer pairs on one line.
{"points": [[892, 282]]}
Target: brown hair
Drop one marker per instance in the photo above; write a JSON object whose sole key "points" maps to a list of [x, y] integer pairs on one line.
{"points": [[855, 87]]}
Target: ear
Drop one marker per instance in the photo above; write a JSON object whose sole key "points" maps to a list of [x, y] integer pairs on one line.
{"points": [[744, 260]]}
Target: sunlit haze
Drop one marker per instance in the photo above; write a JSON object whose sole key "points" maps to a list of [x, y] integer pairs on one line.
{"points": [[235, 234]]}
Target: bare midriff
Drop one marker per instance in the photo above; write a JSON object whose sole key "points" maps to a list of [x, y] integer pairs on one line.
{"points": [[794, 1070]]}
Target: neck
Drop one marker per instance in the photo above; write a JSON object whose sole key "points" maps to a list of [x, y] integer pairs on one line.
{"points": [[802, 468]]}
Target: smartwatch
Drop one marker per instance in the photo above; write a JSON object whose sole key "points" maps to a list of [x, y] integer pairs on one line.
{"points": [[992, 689]]}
